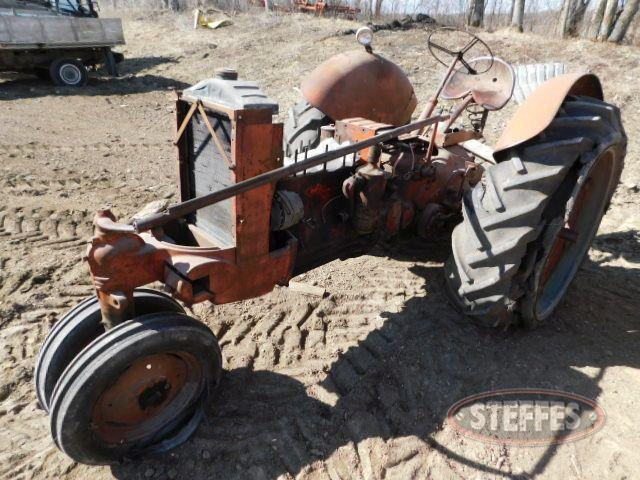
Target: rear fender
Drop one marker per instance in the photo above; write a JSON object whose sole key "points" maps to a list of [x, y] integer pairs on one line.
{"points": [[541, 107], [361, 84]]}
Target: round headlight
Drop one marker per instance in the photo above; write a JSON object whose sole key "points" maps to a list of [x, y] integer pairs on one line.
{"points": [[364, 36]]}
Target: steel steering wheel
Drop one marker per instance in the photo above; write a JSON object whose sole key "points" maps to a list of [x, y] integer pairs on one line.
{"points": [[469, 42]]}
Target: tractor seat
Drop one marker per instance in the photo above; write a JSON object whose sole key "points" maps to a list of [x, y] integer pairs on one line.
{"points": [[491, 89]]}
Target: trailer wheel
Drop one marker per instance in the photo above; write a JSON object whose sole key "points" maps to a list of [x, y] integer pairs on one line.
{"points": [[77, 329], [133, 387], [68, 72], [302, 128], [529, 224]]}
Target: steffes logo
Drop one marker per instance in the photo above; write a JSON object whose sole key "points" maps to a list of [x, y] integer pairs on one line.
{"points": [[526, 417]]}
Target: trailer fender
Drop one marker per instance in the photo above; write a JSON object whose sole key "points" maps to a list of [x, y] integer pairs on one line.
{"points": [[540, 108]]}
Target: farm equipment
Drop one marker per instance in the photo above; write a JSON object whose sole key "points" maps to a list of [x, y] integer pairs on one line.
{"points": [[58, 40], [126, 371], [320, 7]]}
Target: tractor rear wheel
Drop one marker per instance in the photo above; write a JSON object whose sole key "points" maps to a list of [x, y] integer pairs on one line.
{"points": [[529, 224], [77, 329], [302, 128], [132, 387]]}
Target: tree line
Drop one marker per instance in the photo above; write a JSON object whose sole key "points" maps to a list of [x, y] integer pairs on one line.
{"points": [[600, 20], [608, 20]]}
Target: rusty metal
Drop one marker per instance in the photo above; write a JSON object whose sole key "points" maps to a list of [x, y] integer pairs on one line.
{"points": [[185, 122], [567, 235], [537, 112], [430, 220], [358, 129], [361, 84], [214, 136], [122, 261], [269, 177], [426, 174], [430, 106], [115, 307], [455, 137], [432, 142], [457, 111], [448, 175], [320, 7], [145, 396], [491, 89]]}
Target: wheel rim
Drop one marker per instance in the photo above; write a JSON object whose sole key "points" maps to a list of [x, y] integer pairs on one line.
{"points": [[572, 241], [147, 395], [70, 74]]}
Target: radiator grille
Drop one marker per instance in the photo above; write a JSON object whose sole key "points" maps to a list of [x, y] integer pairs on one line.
{"points": [[209, 172]]}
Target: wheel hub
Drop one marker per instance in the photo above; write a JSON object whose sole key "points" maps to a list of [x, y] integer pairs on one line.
{"points": [[70, 74], [154, 395], [145, 396]]}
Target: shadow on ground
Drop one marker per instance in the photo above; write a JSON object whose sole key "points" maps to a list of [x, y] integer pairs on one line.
{"points": [[21, 86], [401, 379]]}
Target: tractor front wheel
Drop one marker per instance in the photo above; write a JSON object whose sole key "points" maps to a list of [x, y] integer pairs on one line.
{"points": [[137, 388], [529, 224], [77, 329]]}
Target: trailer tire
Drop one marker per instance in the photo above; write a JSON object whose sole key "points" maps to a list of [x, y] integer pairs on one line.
{"points": [[302, 128], [68, 72], [504, 269]]}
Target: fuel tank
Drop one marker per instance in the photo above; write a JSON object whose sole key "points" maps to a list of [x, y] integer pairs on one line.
{"points": [[361, 84]]}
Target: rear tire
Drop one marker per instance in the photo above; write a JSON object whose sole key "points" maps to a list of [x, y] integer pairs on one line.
{"points": [[302, 128], [524, 205], [68, 72]]}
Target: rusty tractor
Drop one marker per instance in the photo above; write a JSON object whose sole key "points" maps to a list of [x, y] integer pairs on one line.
{"points": [[126, 372]]}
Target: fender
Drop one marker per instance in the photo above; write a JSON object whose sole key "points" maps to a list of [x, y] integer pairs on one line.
{"points": [[540, 108], [361, 84]]}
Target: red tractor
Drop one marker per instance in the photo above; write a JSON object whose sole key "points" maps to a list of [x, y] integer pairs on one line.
{"points": [[126, 371]]}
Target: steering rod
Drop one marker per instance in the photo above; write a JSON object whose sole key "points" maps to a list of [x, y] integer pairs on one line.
{"points": [[433, 101]]}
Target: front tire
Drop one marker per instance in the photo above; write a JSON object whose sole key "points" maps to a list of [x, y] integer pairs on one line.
{"points": [[507, 266], [133, 387], [77, 329]]}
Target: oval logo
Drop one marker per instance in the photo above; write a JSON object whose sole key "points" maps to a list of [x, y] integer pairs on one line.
{"points": [[523, 416]]}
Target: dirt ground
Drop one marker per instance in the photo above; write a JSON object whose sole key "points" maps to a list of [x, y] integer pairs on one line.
{"points": [[355, 385]]}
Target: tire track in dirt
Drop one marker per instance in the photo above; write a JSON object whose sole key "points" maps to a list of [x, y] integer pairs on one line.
{"points": [[316, 351], [39, 227], [22, 149], [41, 277]]}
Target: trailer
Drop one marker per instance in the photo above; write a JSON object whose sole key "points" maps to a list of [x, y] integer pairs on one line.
{"points": [[60, 41]]}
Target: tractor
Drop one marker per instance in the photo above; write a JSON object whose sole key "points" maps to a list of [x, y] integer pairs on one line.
{"points": [[126, 372]]}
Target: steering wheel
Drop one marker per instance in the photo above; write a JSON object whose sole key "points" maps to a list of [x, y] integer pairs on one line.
{"points": [[464, 44]]}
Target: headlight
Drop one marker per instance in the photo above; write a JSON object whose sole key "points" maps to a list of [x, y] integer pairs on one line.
{"points": [[364, 36]]}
